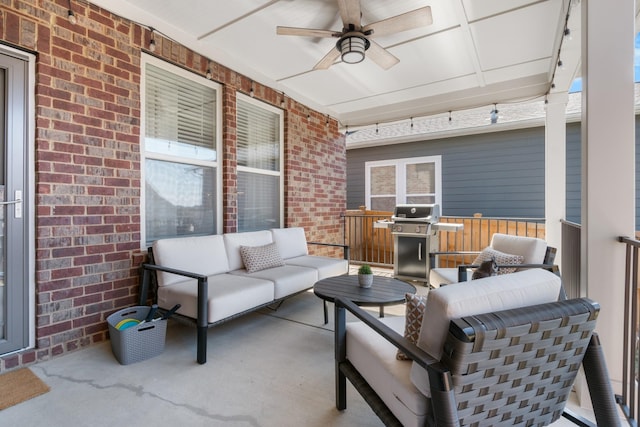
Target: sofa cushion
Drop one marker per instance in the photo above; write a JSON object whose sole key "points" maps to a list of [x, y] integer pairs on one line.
{"points": [[528, 287], [291, 241], [501, 258], [326, 266], [375, 359], [233, 241], [414, 311], [201, 254], [256, 258], [228, 295], [287, 280]]}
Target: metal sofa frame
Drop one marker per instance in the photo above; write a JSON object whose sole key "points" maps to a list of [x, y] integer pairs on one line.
{"points": [[149, 283]]}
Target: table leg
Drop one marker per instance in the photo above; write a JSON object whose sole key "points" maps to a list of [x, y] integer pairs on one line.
{"points": [[326, 315], [382, 311]]}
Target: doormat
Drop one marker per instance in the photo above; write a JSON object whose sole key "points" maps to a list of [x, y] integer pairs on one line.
{"points": [[18, 386]]}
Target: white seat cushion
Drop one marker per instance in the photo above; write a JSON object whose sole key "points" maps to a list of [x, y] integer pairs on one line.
{"points": [[233, 241], [228, 295], [326, 266], [530, 248], [287, 279], [528, 287], [202, 254], [291, 241], [445, 276], [375, 358]]}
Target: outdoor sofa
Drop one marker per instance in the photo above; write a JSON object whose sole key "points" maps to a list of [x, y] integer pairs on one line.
{"points": [[219, 277]]}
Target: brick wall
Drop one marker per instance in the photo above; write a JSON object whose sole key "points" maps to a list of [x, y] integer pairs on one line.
{"points": [[88, 164]]}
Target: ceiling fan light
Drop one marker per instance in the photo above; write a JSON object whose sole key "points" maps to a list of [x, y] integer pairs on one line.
{"points": [[352, 49]]}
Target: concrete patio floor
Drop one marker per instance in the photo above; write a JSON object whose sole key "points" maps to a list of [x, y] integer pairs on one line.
{"points": [[269, 368]]}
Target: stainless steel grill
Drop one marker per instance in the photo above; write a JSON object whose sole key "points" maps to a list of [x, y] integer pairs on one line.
{"points": [[415, 230]]}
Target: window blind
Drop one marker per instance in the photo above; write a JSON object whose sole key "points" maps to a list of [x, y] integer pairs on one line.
{"points": [[178, 109], [258, 137]]}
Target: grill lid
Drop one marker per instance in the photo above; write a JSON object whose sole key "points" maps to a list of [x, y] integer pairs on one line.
{"points": [[416, 213]]}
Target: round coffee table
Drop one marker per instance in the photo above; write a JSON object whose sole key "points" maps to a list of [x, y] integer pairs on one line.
{"points": [[384, 291]]}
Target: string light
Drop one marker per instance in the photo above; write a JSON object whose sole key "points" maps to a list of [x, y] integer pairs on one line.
{"points": [[567, 34], [327, 122], [450, 117], [251, 94], [152, 42], [560, 64], [282, 101], [209, 74], [376, 128], [494, 114], [70, 15]]}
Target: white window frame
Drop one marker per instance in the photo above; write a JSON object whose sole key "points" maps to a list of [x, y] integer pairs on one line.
{"points": [[280, 172], [217, 164], [400, 166]]}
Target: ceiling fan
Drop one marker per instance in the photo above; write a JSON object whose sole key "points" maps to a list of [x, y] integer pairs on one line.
{"points": [[354, 38]]}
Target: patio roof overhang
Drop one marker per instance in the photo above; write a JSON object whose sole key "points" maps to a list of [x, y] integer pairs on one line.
{"points": [[475, 54]]}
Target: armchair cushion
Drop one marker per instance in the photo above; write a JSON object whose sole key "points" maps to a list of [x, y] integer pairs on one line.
{"points": [[532, 249], [414, 312], [501, 259], [528, 287]]}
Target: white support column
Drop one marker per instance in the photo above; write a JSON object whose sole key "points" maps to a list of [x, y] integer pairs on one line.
{"points": [[555, 180], [608, 163]]}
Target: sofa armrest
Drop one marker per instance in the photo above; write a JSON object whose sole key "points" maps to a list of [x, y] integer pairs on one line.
{"points": [[202, 320], [345, 248]]}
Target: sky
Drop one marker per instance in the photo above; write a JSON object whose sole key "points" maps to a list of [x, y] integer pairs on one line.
{"points": [[576, 86]]}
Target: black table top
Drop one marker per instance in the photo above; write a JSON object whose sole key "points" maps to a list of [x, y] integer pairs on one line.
{"points": [[383, 291]]}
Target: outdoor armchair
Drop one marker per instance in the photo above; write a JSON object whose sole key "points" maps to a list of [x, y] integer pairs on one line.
{"points": [[509, 367], [530, 252]]}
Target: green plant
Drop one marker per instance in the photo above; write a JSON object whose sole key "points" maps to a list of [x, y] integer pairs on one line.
{"points": [[365, 269]]}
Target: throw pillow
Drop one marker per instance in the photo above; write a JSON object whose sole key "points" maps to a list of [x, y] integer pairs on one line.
{"points": [[501, 259], [413, 320], [256, 258]]}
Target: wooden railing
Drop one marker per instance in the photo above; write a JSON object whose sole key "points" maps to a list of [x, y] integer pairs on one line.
{"points": [[375, 245]]}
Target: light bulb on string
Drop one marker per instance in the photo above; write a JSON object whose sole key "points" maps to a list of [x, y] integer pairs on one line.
{"points": [[152, 42], [71, 16]]}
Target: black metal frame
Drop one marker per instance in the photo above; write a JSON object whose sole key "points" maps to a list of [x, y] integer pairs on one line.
{"points": [[602, 395], [149, 281]]}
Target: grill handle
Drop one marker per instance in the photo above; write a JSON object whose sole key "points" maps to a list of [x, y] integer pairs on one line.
{"points": [[420, 251]]}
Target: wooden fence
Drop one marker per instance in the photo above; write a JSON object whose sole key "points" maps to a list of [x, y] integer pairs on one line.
{"points": [[375, 245]]}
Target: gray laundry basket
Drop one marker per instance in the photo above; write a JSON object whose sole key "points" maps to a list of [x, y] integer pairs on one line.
{"points": [[138, 342]]}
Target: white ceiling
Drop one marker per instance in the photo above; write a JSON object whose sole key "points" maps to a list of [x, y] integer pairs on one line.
{"points": [[476, 52]]}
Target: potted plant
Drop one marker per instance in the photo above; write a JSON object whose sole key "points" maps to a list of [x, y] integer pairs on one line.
{"points": [[365, 276]]}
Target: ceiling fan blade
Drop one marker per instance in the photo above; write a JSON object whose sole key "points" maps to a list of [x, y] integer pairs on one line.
{"points": [[350, 13], [328, 60], [381, 56], [406, 21], [310, 32]]}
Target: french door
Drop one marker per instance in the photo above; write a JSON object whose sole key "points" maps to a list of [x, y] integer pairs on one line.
{"points": [[14, 240]]}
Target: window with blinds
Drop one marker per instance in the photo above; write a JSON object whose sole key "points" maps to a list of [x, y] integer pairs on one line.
{"points": [[259, 151], [181, 172], [396, 181]]}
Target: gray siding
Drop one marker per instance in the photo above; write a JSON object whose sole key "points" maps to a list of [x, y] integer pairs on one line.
{"points": [[499, 174]]}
